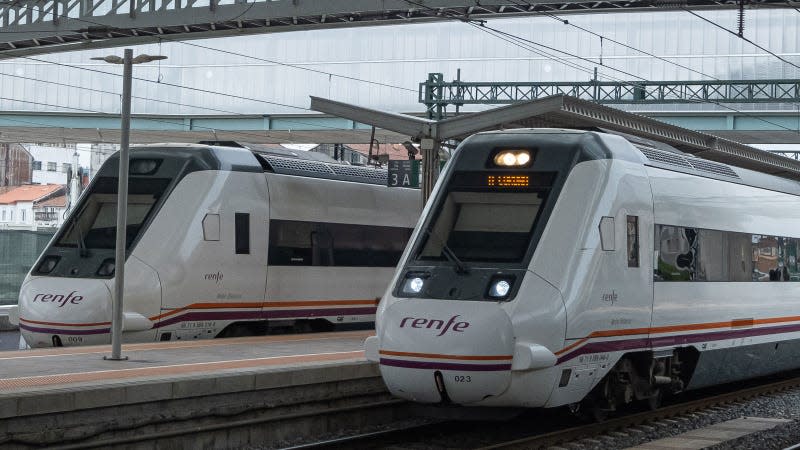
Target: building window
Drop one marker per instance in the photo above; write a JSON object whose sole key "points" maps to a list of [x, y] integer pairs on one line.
{"points": [[4, 215], [65, 167], [37, 165], [23, 215], [51, 167]]}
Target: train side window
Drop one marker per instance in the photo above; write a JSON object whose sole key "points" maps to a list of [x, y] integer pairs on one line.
{"points": [[211, 227], [768, 259], [633, 240], [242, 233]]}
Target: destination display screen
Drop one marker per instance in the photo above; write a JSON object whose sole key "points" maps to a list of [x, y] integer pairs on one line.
{"points": [[508, 180], [497, 180]]}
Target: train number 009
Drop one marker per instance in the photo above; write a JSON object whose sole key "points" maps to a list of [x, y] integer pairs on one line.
{"points": [[463, 379]]}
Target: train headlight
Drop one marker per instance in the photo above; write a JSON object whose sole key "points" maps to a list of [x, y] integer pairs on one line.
{"points": [[106, 268], [48, 264], [512, 158], [144, 166], [500, 288], [413, 283]]}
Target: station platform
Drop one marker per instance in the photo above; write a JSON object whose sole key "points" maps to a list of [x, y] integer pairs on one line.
{"points": [[74, 387]]}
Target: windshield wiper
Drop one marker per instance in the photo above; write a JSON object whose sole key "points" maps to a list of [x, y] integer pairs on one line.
{"points": [[83, 252], [460, 268]]}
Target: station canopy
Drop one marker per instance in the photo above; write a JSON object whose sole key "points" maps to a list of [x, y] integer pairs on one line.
{"points": [[561, 111]]}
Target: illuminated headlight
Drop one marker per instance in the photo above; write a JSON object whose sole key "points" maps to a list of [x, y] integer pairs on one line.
{"points": [[413, 285], [500, 288], [512, 158]]}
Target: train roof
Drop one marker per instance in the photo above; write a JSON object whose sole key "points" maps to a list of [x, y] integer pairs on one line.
{"points": [[657, 154], [242, 159]]}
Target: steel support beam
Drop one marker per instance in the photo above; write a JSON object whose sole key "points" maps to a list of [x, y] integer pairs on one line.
{"points": [[437, 94], [46, 26]]}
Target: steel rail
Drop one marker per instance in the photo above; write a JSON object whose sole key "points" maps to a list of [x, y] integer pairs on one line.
{"points": [[573, 434]]}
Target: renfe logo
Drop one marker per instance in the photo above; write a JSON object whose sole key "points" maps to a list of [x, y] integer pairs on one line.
{"points": [[58, 298], [436, 324]]}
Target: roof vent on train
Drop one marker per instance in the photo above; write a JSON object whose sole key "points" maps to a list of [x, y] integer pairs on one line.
{"points": [[669, 160], [317, 169]]}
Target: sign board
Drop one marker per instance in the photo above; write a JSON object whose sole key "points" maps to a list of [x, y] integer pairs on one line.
{"points": [[404, 173]]}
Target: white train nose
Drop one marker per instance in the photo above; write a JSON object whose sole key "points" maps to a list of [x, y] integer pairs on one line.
{"points": [[437, 350], [64, 311]]}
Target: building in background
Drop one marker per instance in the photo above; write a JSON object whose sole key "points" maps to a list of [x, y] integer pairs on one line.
{"points": [[98, 154], [18, 206], [54, 164], [50, 213], [15, 165]]}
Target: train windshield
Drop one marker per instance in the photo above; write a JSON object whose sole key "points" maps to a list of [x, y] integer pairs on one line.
{"points": [[94, 226], [483, 226]]}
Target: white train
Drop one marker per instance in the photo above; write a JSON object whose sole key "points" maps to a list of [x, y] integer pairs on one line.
{"points": [[221, 241], [562, 267]]}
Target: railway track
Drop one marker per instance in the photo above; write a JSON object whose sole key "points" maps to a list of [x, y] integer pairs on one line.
{"points": [[489, 435], [577, 433]]}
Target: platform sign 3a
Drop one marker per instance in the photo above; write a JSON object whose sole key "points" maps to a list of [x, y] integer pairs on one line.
{"points": [[404, 173]]}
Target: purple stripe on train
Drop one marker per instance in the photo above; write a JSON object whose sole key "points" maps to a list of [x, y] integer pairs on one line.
{"points": [[255, 315], [444, 366], [666, 341], [63, 331], [225, 315]]}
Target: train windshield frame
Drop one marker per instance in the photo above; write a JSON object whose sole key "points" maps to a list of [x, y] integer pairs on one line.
{"points": [[483, 225], [94, 225]]}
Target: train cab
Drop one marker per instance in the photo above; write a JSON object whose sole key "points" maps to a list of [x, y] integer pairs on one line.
{"points": [[480, 304]]}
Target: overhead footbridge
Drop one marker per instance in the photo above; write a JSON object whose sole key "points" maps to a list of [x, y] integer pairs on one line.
{"points": [[29, 27]]}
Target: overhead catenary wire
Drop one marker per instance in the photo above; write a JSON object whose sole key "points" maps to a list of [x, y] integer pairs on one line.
{"points": [[575, 66], [178, 41], [330, 74], [518, 39], [630, 47], [102, 91], [86, 110], [210, 91], [182, 87], [742, 38]]}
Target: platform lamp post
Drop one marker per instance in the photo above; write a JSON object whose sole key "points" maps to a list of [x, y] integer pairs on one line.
{"points": [[122, 194]]}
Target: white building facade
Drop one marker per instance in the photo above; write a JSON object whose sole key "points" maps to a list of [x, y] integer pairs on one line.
{"points": [[51, 165], [19, 207]]}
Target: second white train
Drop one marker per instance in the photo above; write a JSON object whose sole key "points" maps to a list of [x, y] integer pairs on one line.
{"points": [[221, 241], [563, 267]]}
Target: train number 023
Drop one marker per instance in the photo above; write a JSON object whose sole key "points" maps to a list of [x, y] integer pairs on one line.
{"points": [[463, 379]]}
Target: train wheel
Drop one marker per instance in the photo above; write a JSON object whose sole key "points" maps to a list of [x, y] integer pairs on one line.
{"points": [[589, 410], [243, 329], [654, 402]]}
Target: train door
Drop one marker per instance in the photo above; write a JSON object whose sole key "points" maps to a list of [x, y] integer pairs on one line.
{"points": [[243, 258], [214, 250], [596, 247]]}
